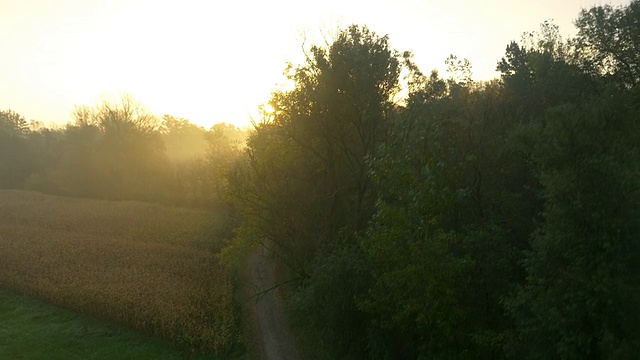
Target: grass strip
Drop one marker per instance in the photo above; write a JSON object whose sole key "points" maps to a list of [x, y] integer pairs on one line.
{"points": [[32, 329]]}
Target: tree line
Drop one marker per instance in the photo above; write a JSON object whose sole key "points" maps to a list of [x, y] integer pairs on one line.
{"points": [[117, 150], [412, 215]]}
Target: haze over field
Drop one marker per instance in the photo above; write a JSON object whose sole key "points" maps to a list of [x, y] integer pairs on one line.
{"points": [[211, 62]]}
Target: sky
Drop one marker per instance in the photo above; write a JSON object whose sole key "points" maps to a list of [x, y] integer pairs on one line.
{"points": [[214, 61]]}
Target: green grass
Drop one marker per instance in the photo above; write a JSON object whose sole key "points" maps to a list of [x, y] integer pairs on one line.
{"points": [[31, 329]]}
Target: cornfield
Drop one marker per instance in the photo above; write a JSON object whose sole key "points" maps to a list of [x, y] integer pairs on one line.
{"points": [[148, 267]]}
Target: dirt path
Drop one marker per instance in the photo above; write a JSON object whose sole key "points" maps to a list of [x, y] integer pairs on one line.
{"points": [[271, 331]]}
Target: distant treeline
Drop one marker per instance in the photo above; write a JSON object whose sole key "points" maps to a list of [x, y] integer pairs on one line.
{"points": [[416, 216], [119, 151]]}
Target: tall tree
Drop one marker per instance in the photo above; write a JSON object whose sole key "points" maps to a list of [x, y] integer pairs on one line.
{"points": [[608, 40], [308, 179], [306, 190], [15, 159]]}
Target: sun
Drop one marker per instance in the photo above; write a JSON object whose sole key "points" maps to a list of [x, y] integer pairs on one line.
{"points": [[268, 109]]}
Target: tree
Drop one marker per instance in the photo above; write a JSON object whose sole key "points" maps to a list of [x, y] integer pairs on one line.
{"points": [[15, 159], [130, 151], [111, 151], [453, 211], [306, 189], [542, 71], [582, 291], [12, 123], [583, 146], [182, 139], [608, 41], [224, 151], [307, 170]]}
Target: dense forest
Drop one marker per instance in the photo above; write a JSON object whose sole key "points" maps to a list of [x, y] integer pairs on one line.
{"points": [[412, 215]]}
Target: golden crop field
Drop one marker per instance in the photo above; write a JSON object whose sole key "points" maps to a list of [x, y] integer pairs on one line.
{"points": [[149, 267]]}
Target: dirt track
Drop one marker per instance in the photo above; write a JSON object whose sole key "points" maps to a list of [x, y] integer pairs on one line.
{"points": [[271, 332]]}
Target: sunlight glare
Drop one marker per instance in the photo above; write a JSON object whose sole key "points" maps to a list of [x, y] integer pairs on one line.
{"points": [[268, 109]]}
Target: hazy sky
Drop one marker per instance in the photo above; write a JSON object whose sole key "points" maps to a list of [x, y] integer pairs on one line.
{"points": [[212, 61]]}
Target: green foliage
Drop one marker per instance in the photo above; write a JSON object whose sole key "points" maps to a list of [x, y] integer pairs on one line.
{"points": [[608, 40], [305, 190], [12, 123], [307, 179], [581, 295], [324, 308], [437, 246], [541, 72], [15, 158], [442, 195], [34, 330]]}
